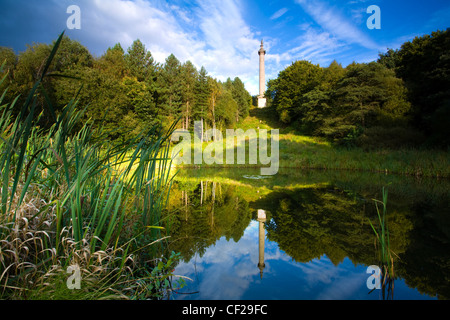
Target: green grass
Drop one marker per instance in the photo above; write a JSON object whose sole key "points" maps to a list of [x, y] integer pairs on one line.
{"points": [[305, 152]]}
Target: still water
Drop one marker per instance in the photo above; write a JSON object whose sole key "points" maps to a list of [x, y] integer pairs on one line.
{"points": [[306, 235]]}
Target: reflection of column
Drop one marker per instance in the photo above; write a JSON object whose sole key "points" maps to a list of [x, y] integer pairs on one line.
{"points": [[201, 192], [213, 193], [261, 219]]}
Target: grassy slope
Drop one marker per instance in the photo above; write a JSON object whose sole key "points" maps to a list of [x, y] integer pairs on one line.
{"points": [[297, 151]]}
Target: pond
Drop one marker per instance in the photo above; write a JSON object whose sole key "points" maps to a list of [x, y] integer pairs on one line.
{"points": [[306, 235]]}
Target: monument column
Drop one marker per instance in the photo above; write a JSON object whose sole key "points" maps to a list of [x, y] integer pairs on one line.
{"points": [[262, 77], [261, 238]]}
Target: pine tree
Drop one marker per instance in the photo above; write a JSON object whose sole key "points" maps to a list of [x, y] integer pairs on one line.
{"points": [[201, 98], [189, 76]]}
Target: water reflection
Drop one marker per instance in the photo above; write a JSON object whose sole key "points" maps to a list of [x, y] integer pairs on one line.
{"points": [[261, 237], [305, 237]]}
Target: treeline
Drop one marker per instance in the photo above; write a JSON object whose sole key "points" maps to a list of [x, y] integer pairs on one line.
{"points": [[402, 99], [125, 91]]}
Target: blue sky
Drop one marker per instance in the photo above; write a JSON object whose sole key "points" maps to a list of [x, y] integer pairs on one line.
{"points": [[224, 35]]}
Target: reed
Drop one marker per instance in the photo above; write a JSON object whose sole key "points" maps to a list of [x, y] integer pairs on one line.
{"points": [[68, 196], [386, 259]]}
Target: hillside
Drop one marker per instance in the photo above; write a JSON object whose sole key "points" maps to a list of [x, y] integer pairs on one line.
{"points": [[306, 152]]}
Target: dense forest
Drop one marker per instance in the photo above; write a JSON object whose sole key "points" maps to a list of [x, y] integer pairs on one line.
{"points": [[402, 99], [125, 91]]}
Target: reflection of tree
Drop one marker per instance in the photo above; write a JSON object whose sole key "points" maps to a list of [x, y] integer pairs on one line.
{"points": [[206, 212], [309, 222], [426, 262]]}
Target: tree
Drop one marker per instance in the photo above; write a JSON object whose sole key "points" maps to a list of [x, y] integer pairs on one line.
{"points": [[286, 92], [140, 102], [113, 62], [215, 89], [64, 76], [368, 95], [72, 64], [242, 98], [123, 92], [140, 62], [226, 109], [390, 59], [424, 66], [201, 97], [105, 93], [169, 88], [9, 61], [189, 76]]}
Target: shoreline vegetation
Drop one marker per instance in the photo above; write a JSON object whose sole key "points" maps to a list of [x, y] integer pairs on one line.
{"points": [[83, 189], [80, 216], [303, 152]]}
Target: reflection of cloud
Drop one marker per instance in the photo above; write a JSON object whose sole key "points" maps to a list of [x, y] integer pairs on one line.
{"points": [[318, 271], [227, 268], [224, 281], [343, 288]]}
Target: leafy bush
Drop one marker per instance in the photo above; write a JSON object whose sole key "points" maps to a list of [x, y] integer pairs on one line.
{"points": [[389, 138]]}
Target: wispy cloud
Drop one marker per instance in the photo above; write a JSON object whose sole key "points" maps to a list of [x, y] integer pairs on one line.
{"points": [[333, 22], [314, 45], [279, 13], [231, 45], [212, 34]]}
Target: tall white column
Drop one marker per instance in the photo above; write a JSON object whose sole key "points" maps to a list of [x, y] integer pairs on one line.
{"points": [[262, 77]]}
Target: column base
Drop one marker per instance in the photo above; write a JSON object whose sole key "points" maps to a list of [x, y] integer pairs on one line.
{"points": [[261, 102]]}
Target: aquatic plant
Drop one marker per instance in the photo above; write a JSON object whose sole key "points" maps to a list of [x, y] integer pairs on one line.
{"points": [[385, 253], [70, 197]]}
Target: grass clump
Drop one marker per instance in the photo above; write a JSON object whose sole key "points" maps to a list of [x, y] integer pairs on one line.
{"points": [[69, 197]]}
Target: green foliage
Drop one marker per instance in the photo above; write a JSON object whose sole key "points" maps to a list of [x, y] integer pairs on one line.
{"points": [[140, 62], [405, 91], [424, 65], [337, 103], [124, 91], [202, 94], [157, 283], [368, 95], [88, 191], [286, 92]]}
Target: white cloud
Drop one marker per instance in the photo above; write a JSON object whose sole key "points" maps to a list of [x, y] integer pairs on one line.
{"points": [[105, 23], [279, 13], [316, 46], [334, 23], [220, 40], [232, 47]]}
